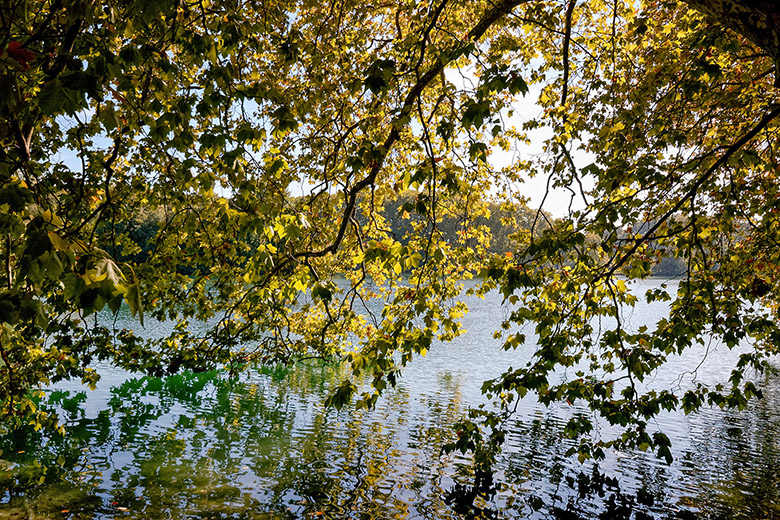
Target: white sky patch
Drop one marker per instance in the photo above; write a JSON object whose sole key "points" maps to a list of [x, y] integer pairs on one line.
{"points": [[539, 192]]}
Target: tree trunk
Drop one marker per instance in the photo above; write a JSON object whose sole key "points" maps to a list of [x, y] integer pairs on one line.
{"points": [[756, 20]]}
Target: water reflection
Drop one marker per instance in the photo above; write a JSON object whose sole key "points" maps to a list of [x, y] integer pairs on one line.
{"points": [[206, 446], [261, 446], [742, 453], [209, 447]]}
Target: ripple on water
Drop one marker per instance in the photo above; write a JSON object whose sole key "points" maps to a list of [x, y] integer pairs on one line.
{"points": [[263, 446]]}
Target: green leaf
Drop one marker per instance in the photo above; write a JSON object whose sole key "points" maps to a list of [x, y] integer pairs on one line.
{"points": [[378, 75]]}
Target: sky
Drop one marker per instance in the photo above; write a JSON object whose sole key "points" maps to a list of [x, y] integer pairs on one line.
{"points": [[556, 202]]}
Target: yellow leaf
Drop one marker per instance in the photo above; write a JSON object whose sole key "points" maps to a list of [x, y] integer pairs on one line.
{"points": [[57, 241]]}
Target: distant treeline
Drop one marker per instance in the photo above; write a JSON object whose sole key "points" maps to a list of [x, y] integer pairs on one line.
{"points": [[504, 222]]}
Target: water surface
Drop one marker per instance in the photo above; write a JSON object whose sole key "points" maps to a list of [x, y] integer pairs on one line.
{"points": [[261, 446]]}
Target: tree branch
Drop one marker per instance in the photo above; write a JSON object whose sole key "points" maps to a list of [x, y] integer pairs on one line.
{"points": [[566, 43], [498, 11], [731, 150]]}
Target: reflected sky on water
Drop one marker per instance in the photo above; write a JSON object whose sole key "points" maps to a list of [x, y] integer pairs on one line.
{"points": [[261, 446]]}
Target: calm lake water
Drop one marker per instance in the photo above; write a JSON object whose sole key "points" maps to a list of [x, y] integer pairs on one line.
{"points": [[262, 446]]}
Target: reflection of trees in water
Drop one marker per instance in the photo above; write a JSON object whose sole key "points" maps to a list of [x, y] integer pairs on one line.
{"points": [[544, 482], [729, 472], [204, 446], [735, 462]]}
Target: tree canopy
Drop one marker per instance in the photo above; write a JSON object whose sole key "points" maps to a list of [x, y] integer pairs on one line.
{"points": [[267, 139]]}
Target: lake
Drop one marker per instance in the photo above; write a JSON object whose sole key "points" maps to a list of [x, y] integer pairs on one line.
{"points": [[262, 446]]}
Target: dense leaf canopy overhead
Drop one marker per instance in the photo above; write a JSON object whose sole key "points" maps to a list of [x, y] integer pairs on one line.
{"points": [[264, 139]]}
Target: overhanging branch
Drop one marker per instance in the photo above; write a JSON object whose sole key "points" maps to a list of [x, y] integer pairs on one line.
{"points": [[691, 193], [498, 11], [756, 20]]}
